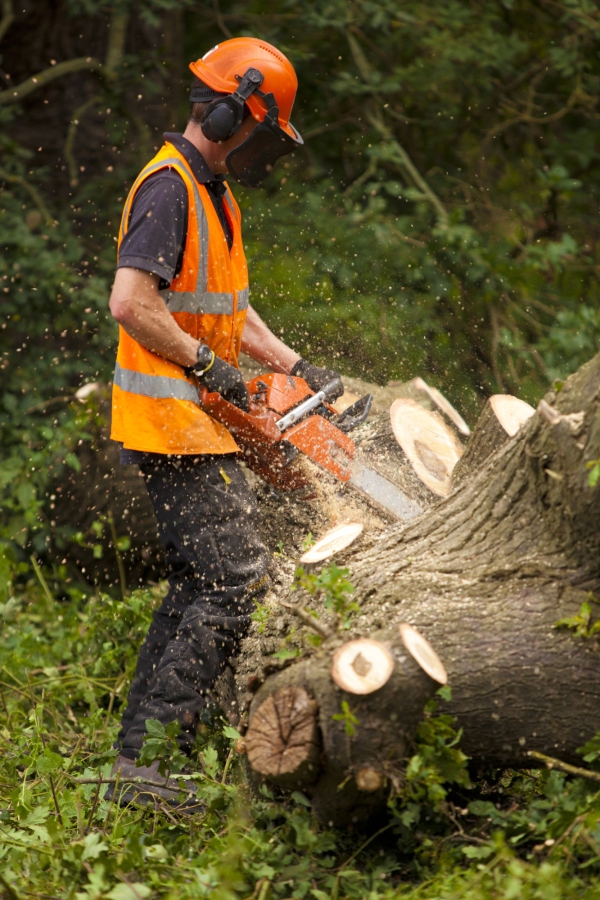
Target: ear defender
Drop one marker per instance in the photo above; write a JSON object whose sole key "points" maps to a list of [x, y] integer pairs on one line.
{"points": [[222, 119], [223, 116]]}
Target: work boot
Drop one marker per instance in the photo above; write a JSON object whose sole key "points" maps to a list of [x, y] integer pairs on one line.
{"points": [[178, 796]]}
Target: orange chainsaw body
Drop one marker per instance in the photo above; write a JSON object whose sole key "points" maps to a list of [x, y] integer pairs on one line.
{"points": [[273, 454]]}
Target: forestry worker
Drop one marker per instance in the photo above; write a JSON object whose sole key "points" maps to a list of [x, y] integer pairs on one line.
{"points": [[181, 299]]}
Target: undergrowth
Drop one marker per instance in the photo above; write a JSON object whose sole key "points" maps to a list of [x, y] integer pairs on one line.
{"points": [[65, 664]]}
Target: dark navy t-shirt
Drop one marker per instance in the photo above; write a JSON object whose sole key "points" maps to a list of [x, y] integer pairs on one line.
{"points": [[155, 239]]}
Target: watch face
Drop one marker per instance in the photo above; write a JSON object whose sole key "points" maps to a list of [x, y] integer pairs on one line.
{"points": [[204, 355]]}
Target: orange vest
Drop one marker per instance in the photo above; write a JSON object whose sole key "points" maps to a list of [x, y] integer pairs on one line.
{"points": [[154, 405]]}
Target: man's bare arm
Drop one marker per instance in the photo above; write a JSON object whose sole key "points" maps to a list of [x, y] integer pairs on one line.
{"points": [[138, 307], [259, 342]]}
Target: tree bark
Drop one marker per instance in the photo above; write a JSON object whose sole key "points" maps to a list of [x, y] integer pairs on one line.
{"points": [[484, 575], [500, 420]]}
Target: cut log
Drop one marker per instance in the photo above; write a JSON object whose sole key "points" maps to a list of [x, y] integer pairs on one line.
{"points": [[363, 666], [354, 740], [443, 405], [336, 539], [378, 449], [427, 442], [369, 780], [421, 650], [282, 741], [500, 420]]}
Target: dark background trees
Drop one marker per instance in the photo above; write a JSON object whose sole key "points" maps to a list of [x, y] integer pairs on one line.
{"points": [[442, 218]]}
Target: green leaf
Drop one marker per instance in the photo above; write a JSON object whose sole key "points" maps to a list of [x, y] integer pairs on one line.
{"points": [[210, 761], [49, 762], [445, 693], [285, 654], [232, 733], [477, 852], [594, 474], [128, 892], [94, 846], [73, 462]]}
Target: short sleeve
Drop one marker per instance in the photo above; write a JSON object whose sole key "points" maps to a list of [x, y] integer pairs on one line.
{"points": [[155, 239]]}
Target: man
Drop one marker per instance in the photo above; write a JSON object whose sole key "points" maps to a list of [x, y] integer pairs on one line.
{"points": [[181, 298]]}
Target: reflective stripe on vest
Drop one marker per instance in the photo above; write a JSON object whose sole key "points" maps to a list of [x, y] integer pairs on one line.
{"points": [[243, 297], [199, 301], [161, 387]]}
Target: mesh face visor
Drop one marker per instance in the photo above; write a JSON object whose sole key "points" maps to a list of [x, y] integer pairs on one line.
{"points": [[251, 162]]}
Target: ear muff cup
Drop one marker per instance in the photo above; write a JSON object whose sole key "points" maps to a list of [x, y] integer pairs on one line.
{"points": [[222, 119]]}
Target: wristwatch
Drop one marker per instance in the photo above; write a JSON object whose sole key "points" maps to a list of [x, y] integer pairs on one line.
{"points": [[204, 361]]}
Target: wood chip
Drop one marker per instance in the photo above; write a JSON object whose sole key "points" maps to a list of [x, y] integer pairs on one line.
{"points": [[428, 443], [362, 666], [333, 541], [423, 653]]}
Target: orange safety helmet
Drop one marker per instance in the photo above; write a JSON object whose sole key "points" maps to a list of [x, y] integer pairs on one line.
{"points": [[219, 67], [248, 72]]}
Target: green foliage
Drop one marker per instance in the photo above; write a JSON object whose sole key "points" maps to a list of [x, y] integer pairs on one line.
{"points": [[581, 623], [348, 718], [160, 743], [332, 588], [591, 750], [65, 668], [436, 763], [594, 473], [260, 615]]}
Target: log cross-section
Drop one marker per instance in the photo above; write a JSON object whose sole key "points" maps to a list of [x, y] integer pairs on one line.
{"points": [[283, 740]]}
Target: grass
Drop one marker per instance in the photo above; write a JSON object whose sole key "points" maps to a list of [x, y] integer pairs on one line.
{"points": [[65, 663]]}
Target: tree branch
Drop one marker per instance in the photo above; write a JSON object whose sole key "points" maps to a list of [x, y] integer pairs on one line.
{"points": [[35, 196], [221, 20], [377, 122], [8, 16], [80, 64], [553, 763], [307, 619], [117, 34], [70, 141], [409, 166]]}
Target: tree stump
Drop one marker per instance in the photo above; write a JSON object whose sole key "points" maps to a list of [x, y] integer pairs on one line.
{"points": [[500, 420]]}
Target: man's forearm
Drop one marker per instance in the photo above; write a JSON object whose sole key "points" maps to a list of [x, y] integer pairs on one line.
{"points": [[140, 310], [264, 347]]}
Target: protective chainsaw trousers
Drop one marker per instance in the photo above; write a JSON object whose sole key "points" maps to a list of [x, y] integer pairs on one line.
{"points": [[217, 564]]}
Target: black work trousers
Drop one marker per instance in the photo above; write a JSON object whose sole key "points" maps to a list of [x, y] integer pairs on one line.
{"points": [[217, 567]]}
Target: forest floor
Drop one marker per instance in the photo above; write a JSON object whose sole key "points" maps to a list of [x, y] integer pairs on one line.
{"points": [[66, 660]]}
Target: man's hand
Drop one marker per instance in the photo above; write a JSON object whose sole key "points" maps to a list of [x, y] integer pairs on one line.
{"points": [[226, 380], [317, 379]]}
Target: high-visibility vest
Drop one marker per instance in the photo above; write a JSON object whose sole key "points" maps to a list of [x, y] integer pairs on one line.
{"points": [[154, 405]]}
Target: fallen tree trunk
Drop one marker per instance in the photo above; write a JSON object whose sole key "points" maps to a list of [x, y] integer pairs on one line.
{"points": [[485, 575]]}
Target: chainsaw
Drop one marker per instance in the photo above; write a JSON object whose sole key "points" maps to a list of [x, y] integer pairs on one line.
{"points": [[286, 420]]}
